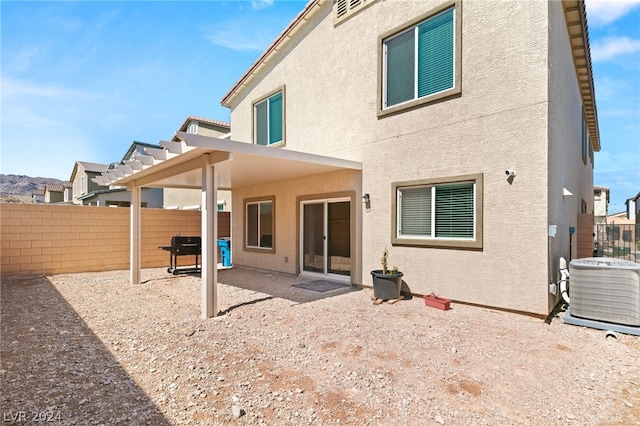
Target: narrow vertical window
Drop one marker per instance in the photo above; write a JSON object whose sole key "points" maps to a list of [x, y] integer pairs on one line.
{"points": [[269, 120]]}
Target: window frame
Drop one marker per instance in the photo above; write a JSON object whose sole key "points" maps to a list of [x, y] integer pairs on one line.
{"points": [[254, 116], [472, 244], [456, 90], [245, 219]]}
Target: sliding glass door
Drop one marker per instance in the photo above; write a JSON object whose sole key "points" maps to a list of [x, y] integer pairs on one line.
{"points": [[326, 237]]}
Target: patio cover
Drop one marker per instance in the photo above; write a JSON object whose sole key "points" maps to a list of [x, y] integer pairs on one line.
{"points": [[210, 164]]}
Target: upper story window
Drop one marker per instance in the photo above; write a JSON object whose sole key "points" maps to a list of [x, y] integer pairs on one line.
{"points": [[268, 119], [439, 212], [83, 187], [421, 60]]}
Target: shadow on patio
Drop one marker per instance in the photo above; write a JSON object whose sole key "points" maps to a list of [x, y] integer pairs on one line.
{"points": [[53, 363], [281, 285]]}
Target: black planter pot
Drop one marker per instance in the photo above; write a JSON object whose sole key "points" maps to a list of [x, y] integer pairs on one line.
{"points": [[386, 286]]}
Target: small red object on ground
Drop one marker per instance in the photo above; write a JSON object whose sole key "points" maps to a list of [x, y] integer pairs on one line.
{"points": [[437, 302]]}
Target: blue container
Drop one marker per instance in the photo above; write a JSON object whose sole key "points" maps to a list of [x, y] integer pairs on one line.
{"points": [[225, 251]]}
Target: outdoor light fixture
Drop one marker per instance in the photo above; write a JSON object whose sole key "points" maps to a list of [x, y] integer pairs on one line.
{"points": [[366, 198]]}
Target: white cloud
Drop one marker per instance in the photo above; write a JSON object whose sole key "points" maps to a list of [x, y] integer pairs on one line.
{"points": [[604, 12], [612, 47], [261, 4], [14, 89], [235, 36]]}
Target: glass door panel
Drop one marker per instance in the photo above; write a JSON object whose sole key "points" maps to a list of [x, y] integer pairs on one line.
{"points": [[313, 238], [339, 245]]}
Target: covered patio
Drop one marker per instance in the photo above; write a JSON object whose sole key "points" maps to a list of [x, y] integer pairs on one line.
{"points": [[210, 164]]}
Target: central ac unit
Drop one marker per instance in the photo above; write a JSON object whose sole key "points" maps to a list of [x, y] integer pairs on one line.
{"points": [[607, 290]]}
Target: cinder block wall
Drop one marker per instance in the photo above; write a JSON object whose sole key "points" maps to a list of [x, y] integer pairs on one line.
{"points": [[53, 239]]}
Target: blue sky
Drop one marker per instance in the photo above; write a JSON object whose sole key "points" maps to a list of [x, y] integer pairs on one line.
{"points": [[82, 80]]}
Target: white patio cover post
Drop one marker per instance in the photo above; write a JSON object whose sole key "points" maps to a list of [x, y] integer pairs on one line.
{"points": [[136, 232], [209, 239]]}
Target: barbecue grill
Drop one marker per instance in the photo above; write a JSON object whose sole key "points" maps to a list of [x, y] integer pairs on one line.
{"points": [[183, 246]]}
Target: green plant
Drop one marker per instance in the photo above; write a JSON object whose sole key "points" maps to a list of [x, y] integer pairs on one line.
{"points": [[385, 257], [384, 260]]}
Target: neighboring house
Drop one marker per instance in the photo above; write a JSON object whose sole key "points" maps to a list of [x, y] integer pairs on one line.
{"points": [[459, 137], [633, 208], [192, 198], [118, 196], [37, 196], [81, 179], [54, 193], [622, 229], [600, 204]]}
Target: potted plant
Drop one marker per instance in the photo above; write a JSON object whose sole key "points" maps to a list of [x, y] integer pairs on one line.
{"points": [[386, 282]]}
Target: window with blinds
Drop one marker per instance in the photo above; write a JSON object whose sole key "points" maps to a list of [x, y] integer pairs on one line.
{"points": [[269, 120], [429, 212], [420, 61]]}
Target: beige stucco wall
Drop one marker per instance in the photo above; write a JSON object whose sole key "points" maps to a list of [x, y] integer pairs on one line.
{"points": [[499, 122], [287, 193], [78, 190], [565, 165]]}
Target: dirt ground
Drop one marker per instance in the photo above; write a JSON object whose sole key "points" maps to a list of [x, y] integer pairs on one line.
{"points": [[92, 349]]}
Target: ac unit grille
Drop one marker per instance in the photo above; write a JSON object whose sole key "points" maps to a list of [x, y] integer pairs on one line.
{"points": [[605, 290]]}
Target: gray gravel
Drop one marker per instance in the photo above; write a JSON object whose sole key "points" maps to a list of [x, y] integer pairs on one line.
{"points": [[91, 349]]}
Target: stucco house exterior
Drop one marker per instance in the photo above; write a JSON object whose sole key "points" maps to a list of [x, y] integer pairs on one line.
{"points": [[105, 196], [55, 194], [82, 179], [435, 143], [37, 196], [600, 204], [458, 135], [633, 208]]}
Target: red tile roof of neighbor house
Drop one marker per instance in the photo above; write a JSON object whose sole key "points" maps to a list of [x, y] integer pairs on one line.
{"points": [[204, 120], [54, 188]]}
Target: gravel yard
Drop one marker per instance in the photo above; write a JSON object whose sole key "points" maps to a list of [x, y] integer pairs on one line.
{"points": [[93, 349]]}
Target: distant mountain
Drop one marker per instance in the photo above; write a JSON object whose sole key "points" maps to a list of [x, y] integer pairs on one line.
{"points": [[20, 188]]}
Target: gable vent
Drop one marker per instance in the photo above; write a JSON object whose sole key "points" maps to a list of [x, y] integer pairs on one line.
{"points": [[341, 8], [346, 8]]}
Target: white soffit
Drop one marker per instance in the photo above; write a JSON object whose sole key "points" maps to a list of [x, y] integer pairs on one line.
{"points": [[237, 164]]}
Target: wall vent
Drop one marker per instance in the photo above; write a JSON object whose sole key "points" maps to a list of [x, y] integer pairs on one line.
{"points": [[346, 8]]}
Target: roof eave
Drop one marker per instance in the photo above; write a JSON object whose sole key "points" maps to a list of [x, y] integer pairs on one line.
{"points": [[272, 50], [576, 19]]}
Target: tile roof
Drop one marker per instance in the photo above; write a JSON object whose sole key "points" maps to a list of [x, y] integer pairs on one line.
{"points": [[54, 188], [93, 167], [204, 120]]}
